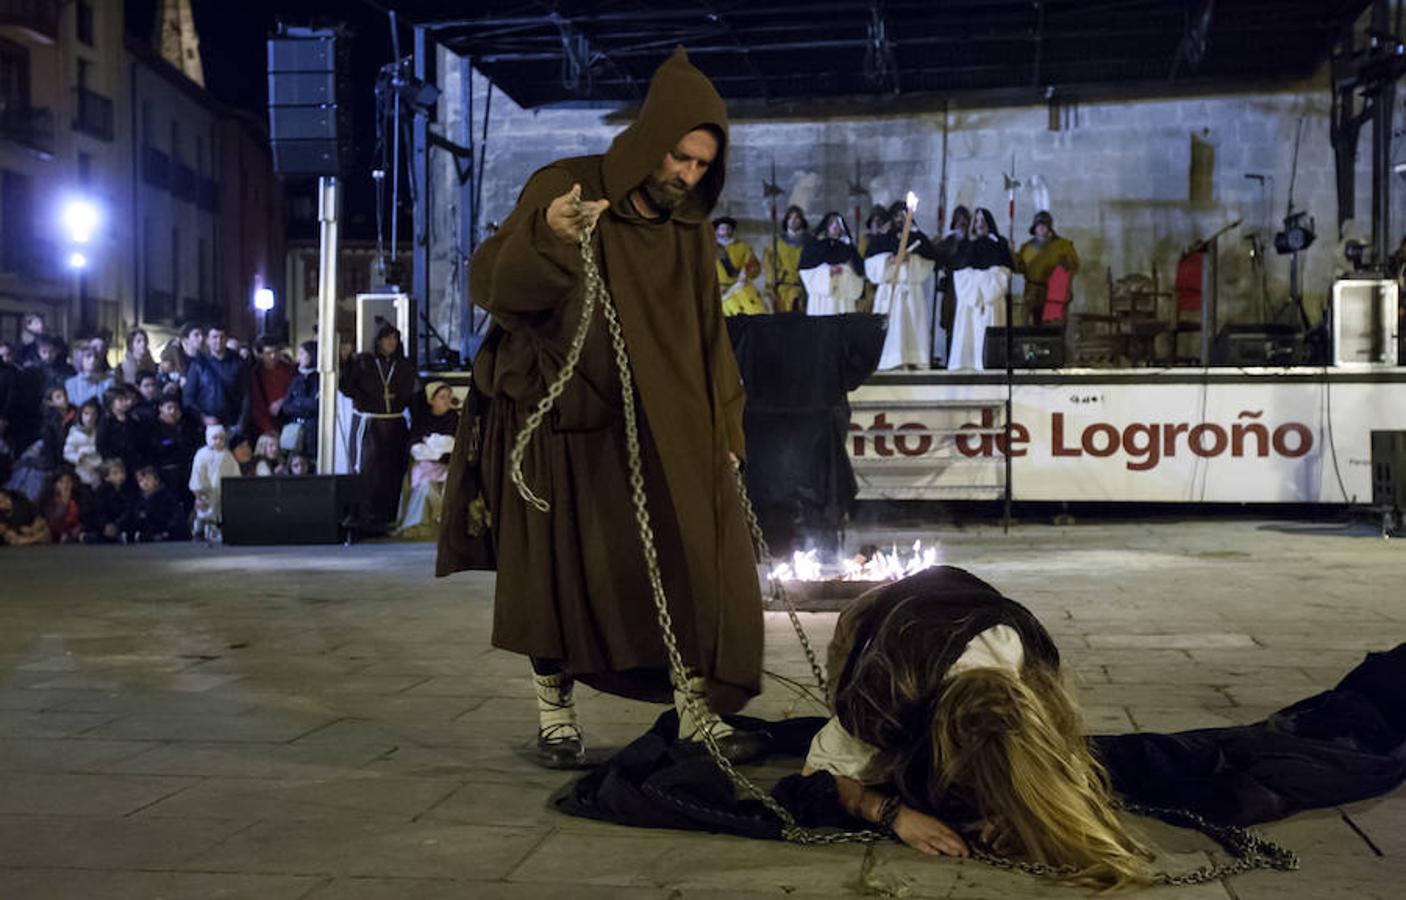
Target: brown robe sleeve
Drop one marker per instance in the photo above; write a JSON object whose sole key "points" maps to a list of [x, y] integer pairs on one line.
{"points": [[525, 268]]}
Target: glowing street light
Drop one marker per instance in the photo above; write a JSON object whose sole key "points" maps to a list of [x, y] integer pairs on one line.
{"points": [[78, 261], [263, 299], [80, 218]]}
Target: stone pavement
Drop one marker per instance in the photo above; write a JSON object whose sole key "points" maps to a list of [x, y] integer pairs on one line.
{"points": [[184, 722]]}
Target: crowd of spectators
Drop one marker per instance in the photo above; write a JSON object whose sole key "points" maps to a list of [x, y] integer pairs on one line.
{"points": [[139, 451], [100, 453]]}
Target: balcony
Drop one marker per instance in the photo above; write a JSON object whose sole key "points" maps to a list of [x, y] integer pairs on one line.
{"points": [[93, 114], [28, 127], [38, 17], [156, 168], [183, 182]]}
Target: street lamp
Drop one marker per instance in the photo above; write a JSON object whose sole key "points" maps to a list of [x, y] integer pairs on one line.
{"points": [[78, 260], [80, 218], [263, 299]]}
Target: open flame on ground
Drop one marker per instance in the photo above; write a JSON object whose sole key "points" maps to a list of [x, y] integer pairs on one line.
{"points": [[877, 565]]}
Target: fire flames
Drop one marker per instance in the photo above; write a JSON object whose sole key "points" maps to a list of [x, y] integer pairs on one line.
{"points": [[877, 566]]}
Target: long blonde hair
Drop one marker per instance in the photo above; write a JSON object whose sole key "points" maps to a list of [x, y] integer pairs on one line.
{"points": [[1015, 747]]}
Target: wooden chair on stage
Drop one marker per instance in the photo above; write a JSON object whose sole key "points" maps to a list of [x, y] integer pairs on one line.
{"points": [[1133, 302]]}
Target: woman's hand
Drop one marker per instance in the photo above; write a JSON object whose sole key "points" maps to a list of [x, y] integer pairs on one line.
{"points": [[564, 219], [928, 835]]}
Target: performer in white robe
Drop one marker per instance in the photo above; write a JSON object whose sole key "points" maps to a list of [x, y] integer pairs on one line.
{"points": [[831, 270], [982, 274], [904, 298]]}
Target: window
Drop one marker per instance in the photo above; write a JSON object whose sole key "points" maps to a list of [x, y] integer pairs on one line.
{"points": [[16, 222], [85, 167], [14, 77], [84, 22], [85, 69]]}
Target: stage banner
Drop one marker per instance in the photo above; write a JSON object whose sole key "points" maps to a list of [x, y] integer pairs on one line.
{"points": [[1255, 440]]}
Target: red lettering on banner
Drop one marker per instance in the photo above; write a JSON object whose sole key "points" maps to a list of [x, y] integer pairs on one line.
{"points": [[900, 440], [983, 444], [1146, 444], [1057, 447], [1281, 442]]}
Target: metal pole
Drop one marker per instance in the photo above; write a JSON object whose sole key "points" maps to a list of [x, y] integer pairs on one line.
{"points": [[328, 198], [420, 306]]}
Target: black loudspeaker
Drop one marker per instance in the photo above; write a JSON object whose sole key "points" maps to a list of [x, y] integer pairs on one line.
{"points": [[291, 509], [1389, 471], [308, 101], [1259, 344], [1034, 347]]}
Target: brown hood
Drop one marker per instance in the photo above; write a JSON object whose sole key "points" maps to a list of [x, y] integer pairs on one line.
{"points": [[680, 99]]}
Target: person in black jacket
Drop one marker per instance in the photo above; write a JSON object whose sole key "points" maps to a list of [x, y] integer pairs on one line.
{"points": [[299, 405], [172, 441], [110, 515], [119, 435], [159, 515], [217, 385], [381, 386]]}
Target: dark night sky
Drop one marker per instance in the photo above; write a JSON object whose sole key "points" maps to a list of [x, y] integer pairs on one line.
{"points": [[232, 47]]}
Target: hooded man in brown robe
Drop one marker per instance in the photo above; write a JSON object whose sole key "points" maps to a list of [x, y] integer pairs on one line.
{"points": [[572, 589]]}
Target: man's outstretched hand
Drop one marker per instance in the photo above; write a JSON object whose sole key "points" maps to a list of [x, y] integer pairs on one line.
{"points": [[566, 221]]}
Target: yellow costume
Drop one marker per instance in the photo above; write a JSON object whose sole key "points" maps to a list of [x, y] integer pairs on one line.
{"points": [[787, 290], [740, 295], [1036, 262]]}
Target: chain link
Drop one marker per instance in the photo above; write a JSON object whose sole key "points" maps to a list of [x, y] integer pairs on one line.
{"points": [[1251, 850]]}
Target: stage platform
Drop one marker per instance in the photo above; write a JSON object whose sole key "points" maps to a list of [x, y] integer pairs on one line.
{"points": [[1212, 435]]}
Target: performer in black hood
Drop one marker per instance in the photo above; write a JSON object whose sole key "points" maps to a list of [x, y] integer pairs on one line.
{"points": [[380, 385], [831, 269]]}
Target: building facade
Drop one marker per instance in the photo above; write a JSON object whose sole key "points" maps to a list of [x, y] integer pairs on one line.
{"points": [[61, 138], [188, 213]]}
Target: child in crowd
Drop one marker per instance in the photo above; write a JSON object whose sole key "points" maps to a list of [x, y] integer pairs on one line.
{"points": [[267, 457], [119, 434], [61, 509], [243, 452], [159, 515], [20, 522], [80, 449], [213, 463], [111, 516], [298, 464]]}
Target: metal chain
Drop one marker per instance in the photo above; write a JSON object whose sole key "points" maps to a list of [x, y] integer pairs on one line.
{"points": [[1252, 850]]}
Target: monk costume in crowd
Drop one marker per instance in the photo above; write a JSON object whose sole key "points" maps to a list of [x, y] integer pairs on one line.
{"points": [[572, 590]]}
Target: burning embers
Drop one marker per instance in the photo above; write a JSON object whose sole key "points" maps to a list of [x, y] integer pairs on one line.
{"points": [[869, 565]]}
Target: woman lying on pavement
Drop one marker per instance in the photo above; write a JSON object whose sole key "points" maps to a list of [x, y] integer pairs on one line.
{"points": [[950, 715]]}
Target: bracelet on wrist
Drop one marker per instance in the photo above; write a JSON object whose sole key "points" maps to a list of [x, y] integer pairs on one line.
{"points": [[888, 813]]}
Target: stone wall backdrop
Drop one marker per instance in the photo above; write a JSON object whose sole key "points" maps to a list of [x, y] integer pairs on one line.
{"points": [[1131, 182]]}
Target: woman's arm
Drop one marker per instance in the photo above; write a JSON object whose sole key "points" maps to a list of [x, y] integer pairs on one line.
{"points": [[918, 830]]}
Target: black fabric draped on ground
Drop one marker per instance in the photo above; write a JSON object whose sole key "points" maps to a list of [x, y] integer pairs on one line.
{"points": [[798, 372], [1342, 745]]}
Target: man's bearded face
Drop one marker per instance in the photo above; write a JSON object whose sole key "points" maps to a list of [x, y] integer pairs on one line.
{"points": [[681, 170]]}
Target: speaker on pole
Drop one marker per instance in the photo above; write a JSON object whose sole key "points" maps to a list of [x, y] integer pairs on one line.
{"points": [[309, 108]]}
